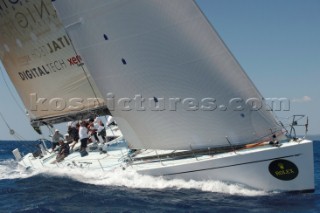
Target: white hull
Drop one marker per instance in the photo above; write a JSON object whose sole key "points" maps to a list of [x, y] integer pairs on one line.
{"points": [[156, 49], [249, 167]]}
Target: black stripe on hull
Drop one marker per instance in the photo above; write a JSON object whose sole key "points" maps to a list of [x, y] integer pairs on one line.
{"points": [[239, 164]]}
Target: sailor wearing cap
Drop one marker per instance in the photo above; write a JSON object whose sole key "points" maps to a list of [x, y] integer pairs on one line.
{"points": [[56, 137]]}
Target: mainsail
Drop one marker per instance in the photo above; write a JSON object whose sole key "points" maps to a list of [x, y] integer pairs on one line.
{"points": [[170, 80], [50, 77]]}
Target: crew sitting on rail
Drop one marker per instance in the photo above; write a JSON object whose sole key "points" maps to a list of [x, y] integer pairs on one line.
{"points": [[92, 127], [102, 131], [73, 131], [64, 151], [56, 138]]}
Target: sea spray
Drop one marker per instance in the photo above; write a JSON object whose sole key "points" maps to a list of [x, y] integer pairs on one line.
{"points": [[9, 169], [130, 179]]}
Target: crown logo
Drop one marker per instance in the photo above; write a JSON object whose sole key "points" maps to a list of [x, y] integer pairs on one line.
{"points": [[281, 166]]}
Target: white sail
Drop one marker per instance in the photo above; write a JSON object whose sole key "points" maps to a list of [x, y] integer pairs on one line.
{"points": [[38, 56], [168, 53]]}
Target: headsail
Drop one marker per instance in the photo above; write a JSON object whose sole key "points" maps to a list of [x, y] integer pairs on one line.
{"points": [[174, 83], [38, 55]]}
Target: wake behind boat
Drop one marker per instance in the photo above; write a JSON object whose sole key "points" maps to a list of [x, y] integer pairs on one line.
{"points": [[181, 100]]}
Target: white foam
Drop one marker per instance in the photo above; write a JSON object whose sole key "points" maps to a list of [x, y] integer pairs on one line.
{"points": [[129, 180], [9, 169], [135, 180]]}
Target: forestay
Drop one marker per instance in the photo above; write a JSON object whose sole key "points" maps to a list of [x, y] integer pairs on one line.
{"points": [[170, 81], [38, 56]]}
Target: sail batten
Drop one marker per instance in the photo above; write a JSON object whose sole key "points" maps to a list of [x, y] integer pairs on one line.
{"points": [[179, 87]]}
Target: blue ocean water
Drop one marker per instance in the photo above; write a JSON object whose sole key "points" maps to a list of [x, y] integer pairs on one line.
{"points": [[72, 191]]}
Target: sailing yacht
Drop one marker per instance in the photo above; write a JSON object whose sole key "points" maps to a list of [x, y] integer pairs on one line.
{"points": [[180, 98]]}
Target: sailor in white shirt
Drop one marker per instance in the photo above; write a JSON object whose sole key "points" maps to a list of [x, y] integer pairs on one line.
{"points": [[83, 136]]}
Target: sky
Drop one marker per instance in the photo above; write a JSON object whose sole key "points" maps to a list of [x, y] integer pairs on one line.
{"points": [[276, 42]]}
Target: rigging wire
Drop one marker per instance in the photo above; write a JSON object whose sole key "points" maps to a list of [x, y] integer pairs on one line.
{"points": [[86, 73], [12, 132], [4, 120], [11, 93], [17, 136]]}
